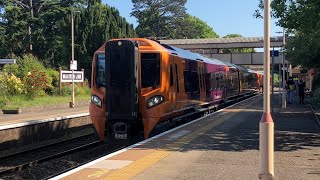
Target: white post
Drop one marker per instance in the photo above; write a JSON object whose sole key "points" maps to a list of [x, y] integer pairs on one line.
{"points": [[284, 99], [72, 58], [266, 127]]}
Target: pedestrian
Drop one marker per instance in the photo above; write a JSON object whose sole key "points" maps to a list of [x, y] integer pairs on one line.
{"points": [[296, 84], [301, 91], [290, 89]]}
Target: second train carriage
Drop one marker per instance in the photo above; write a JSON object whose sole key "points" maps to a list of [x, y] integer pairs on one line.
{"points": [[138, 83]]}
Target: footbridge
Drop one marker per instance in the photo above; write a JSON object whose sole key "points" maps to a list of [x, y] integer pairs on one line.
{"points": [[213, 47]]}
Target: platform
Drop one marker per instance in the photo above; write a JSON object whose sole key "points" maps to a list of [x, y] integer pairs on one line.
{"points": [[33, 129], [223, 145], [46, 115]]}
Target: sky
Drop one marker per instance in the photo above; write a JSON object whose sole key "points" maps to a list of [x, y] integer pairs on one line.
{"points": [[224, 16]]}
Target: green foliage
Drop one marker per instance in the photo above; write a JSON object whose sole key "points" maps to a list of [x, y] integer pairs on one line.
{"points": [[301, 19], [79, 90], [159, 18], [316, 96], [50, 33], [316, 82], [12, 84], [196, 28], [52, 77], [95, 25], [3, 91], [237, 50], [24, 65]]}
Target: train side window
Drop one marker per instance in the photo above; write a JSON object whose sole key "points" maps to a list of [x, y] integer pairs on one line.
{"points": [[177, 77], [187, 81], [171, 76], [100, 70], [150, 70], [207, 81]]}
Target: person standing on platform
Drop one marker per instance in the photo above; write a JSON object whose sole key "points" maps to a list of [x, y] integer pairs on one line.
{"points": [[301, 91], [290, 89], [296, 86]]}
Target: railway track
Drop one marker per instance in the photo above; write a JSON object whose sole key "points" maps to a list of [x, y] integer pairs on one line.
{"points": [[18, 161]]}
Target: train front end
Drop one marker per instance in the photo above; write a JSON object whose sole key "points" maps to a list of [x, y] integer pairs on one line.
{"points": [[114, 100], [127, 93]]}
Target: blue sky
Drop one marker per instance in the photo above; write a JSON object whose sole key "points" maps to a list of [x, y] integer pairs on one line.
{"points": [[224, 16]]}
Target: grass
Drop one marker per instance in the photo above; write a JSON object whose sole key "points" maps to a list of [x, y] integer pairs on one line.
{"points": [[16, 102]]}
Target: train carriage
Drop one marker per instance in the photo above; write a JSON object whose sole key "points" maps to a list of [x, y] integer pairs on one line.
{"points": [[138, 83]]}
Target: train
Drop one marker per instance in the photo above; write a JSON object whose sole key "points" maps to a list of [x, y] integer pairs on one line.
{"points": [[138, 83]]}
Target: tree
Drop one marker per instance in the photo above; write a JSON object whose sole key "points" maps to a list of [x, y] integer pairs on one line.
{"points": [[97, 24], [51, 30], [159, 18], [195, 28], [301, 19], [237, 50]]}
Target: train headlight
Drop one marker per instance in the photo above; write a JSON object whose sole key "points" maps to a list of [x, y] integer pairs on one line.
{"points": [[96, 100], [155, 100]]}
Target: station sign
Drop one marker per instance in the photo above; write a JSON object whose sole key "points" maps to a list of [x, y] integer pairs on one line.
{"points": [[66, 76], [73, 65], [274, 53], [7, 61]]}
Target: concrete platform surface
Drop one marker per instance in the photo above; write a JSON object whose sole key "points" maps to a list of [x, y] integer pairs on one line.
{"points": [[57, 113], [224, 145]]}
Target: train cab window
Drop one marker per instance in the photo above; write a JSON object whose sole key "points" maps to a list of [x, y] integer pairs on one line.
{"points": [[171, 76], [150, 70], [100, 71]]}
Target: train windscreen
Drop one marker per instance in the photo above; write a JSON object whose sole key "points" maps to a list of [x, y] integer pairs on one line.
{"points": [[100, 71], [150, 70]]}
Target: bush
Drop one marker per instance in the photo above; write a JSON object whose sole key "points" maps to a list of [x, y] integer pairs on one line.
{"points": [[316, 82], [11, 84], [52, 77], [35, 84], [3, 92], [26, 64], [67, 89], [316, 96]]}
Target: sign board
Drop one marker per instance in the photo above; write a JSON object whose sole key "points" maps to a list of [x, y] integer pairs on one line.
{"points": [[275, 53], [7, 61], [66, 76], [73, 66]]}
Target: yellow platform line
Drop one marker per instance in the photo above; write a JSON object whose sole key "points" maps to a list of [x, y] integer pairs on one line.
{"points": [[144, 163]]}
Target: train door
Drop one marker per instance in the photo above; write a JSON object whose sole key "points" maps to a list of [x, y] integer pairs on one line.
{"points": [[201, 82], [172, 82], [121, 86], [177, 83]]}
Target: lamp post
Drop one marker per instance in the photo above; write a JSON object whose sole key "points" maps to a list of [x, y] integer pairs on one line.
{"points": [[72, 56], [266, 125], [284, 103]]}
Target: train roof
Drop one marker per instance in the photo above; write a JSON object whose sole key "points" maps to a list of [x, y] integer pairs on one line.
{"points": [[194, 56], [179, 52]]}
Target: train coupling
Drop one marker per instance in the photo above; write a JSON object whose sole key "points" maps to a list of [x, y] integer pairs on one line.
{"points": [[120, 130]]}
